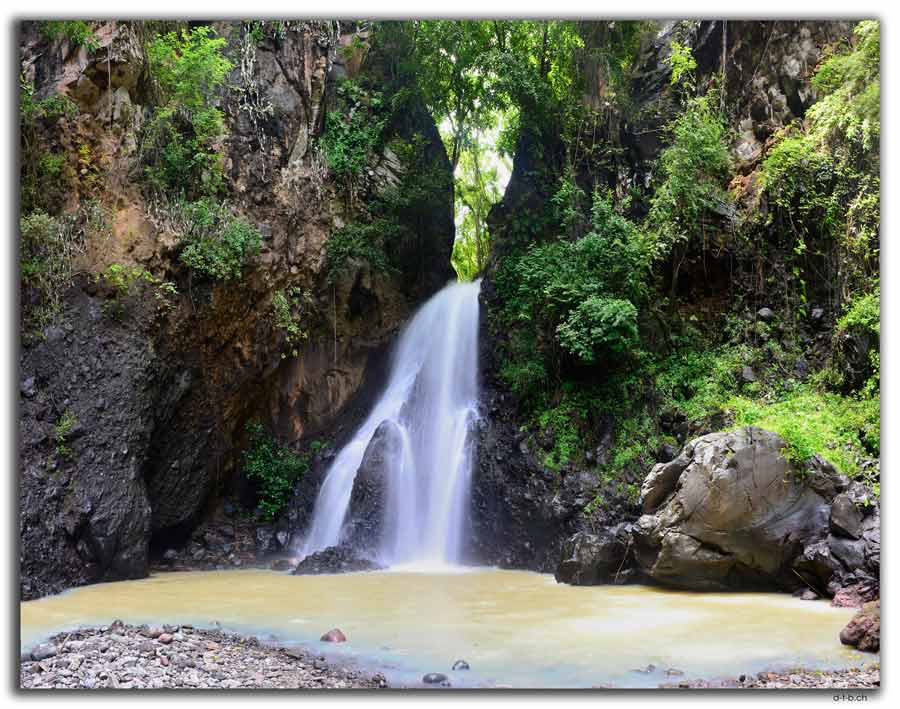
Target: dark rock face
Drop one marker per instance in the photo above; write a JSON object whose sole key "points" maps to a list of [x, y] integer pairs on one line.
{"points": [[602, 558], [364, 526], [161, 403], [334, 560], [84, 508], [739, 515], [864, 629]]}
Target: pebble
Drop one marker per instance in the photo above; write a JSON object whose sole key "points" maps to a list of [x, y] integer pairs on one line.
{"points": [[460, 665]]}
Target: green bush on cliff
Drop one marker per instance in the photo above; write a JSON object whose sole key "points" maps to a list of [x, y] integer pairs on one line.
{"points": [[584, 294], [274, 467], [180, 146], [693, 169], [352, 130], [78, 32], [216, 242], [823, 176]]}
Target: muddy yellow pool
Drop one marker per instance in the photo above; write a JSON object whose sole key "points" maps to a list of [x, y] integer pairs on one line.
{"points": [[514, 628]]}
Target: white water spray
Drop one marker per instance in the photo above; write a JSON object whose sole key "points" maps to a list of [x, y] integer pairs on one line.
{"points": [[430, 402]]}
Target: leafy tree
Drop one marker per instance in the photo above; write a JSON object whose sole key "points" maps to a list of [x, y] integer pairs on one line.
{"points": [[181, 142], [476, 190], [693, 169], [584, 294]]}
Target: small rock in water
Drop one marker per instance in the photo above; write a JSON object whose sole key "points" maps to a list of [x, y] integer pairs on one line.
{"points": [[646, 670], [672, 672], [43, 651], [436, 678], [334, 636], [460, 665], [165, 638]]}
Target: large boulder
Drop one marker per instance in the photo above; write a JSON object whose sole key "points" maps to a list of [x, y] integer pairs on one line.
{"points": [[732, 512]]}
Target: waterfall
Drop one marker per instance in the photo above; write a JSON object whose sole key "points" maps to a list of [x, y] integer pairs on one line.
{"points": [[430, 403]]}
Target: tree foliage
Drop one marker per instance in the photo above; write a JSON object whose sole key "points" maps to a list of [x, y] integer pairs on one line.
{"points": [[181, 143]]}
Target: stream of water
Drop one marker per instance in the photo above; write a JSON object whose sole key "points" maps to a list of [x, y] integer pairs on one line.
{"points": [[515, 628], [429, 404]]}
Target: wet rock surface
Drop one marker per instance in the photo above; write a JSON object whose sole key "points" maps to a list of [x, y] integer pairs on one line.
{"points": [[129, 657], [335, 560], [601, 558]]}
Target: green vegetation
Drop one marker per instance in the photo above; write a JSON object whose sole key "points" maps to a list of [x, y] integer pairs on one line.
{"points": [[78, 32], [44, 172], [841, 429], [48, 249], [824, 176], [125, 282], [693, 169], [476, 191], [579, 298], [216, 243], [352, 132], [682, 63], [181, 142], [63, 427], [275, 468], [289, 309]]}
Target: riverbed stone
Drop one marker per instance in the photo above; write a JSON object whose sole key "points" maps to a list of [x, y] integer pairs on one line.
{"points": [[864, 629], [334, 636], [436, 678]]}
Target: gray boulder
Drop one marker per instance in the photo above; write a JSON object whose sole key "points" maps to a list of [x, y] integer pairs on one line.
{"points": [[737, 515]]}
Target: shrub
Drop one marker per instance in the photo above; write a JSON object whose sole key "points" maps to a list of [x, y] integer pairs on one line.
{"points": [[693, 168], [217, 244], [288, 310], [583, 294], [599, 325], [48, 248], [275, 469], [180, 143], [352, 130], [682, 63], [129, 282], [78, 32], [43, 172]]}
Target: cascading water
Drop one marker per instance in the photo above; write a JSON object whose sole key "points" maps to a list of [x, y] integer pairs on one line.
{"points": [[430, 404]]}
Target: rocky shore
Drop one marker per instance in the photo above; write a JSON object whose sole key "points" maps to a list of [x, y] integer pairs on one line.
{"points": [[123, 656], [855, 678]]}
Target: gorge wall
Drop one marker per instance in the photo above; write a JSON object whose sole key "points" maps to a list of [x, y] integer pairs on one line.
{"points": [[159, 401], [761, 74]]}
